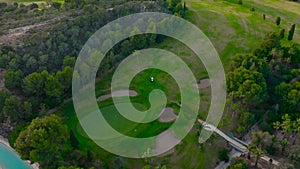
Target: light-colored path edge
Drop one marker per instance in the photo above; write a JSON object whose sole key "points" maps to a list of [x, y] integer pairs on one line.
{"points": [[118, 93]]}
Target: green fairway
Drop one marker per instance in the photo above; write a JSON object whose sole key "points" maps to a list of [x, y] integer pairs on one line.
{"points": [[233, 29]]}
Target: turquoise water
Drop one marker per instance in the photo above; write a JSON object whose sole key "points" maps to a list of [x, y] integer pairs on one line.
{"points": [[10, 160]]}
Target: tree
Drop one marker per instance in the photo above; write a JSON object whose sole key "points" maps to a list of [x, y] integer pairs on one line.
{"points": [[44, 141], [13, 108], [282, 32], [296, 129], [33, 6], [289, 96], [223, 155], [271, 41], [292, 32], [53, 91], [28, 112], [89, 156], [65, 79], [278, 20], [249, 86], [283, 144], [258, 153], [3, 96], [238, 163], [294, 153], [250, 62], [34, 84], [70, 167], [3, 5], [246, 119], [261, 139], [173, 4], [73, 139], [13, 79], [56, 5], [286, 125], [69, 61]]}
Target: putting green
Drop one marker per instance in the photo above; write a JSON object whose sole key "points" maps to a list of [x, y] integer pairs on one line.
{"points": [[126, 127]]}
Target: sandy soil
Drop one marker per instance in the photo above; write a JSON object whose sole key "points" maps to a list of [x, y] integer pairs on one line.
{"points": [[4, 141], [118, 93], [167, 115]]}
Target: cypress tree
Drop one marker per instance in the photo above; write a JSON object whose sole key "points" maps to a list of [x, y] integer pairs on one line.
{"points": [[278, 20], [291, 32]]}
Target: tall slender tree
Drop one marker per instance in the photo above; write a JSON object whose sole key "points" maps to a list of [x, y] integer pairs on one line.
{"points": [[292, 32]]}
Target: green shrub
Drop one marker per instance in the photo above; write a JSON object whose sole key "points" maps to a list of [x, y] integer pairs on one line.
{"points": [[223, 155]]}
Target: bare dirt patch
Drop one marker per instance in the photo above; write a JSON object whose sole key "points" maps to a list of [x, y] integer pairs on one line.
{"points": [[2, 80]]}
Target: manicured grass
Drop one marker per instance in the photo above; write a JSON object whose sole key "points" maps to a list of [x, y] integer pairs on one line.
{"points": [[233, 29], [143, 86]]}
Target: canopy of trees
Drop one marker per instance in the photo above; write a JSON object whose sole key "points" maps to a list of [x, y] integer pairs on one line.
{"points": [[45, 141]]}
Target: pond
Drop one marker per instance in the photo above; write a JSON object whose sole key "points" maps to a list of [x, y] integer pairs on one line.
{"points": [[11, 160]]}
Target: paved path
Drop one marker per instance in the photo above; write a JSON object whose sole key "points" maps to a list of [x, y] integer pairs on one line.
{"points": [[233, 142]]}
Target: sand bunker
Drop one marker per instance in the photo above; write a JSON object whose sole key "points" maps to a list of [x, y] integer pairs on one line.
{"points": [[118, 93], [167, 115]]}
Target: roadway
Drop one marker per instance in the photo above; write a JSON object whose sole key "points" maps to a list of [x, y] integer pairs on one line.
{"points": [[236, 144]]}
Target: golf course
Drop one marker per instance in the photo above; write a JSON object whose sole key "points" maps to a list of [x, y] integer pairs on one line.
{"points": [[46, 62]]}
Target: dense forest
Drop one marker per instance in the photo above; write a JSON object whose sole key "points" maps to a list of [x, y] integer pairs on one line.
{"points": [[263, 88], [39, 68]]}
